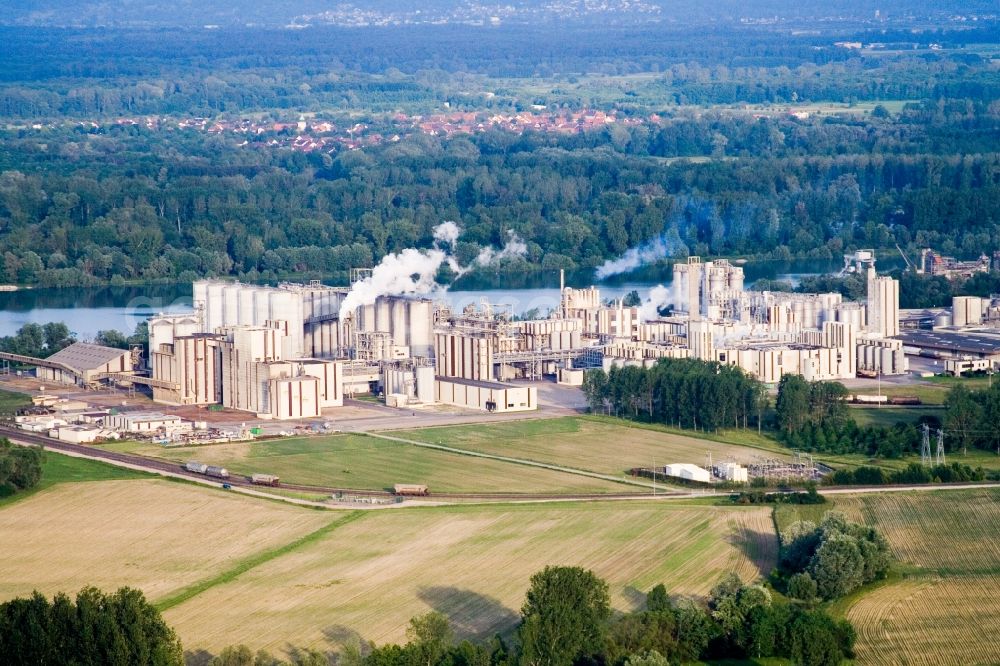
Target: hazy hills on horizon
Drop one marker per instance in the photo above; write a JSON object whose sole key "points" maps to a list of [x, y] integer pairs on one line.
{"points": [[302, 13]]}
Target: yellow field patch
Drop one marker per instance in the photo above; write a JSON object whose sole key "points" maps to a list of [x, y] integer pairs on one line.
{"points": [[953, 531], [155, 535], [370, 577], [928, 622]]}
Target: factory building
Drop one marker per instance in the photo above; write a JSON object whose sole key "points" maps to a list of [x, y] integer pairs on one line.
{"points": [[84, 363], [485, 396], [771, 334], [145, 422], [290, 351], [191, 363], [883, 305]]}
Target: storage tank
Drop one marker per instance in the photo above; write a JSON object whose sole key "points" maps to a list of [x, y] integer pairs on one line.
{"points": [[421, 328], [246, 306], [214, 306], [899, 361], [941, 320], [425, 383], [383, 314], [231, 304], [399, 329], [887, 360]]}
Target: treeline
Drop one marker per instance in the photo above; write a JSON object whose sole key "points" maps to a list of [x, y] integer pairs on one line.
{"points": [[914, 473], [687, 393], [44, 340], [20, 468], [972, 418], [813, 416], [122, 72], [566, 619], [832, 559], [81, 208], [809, 496], [847, 436], [118, 629], [38, 340]]}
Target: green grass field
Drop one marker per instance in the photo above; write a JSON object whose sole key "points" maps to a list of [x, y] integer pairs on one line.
{"points": [[598, 444], [362, 462], [889, 416], [11, 401]]}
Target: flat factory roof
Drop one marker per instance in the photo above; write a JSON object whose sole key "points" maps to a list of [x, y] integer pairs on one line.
{"points": [[954, 342], [476, 382]]}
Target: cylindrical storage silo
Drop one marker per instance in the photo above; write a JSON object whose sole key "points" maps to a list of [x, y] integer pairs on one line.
{"points": [[398, 327], [231, 305], [887, 360], [425, 383], [383, 314], [214, 306], [247, 309], [421, 328]]}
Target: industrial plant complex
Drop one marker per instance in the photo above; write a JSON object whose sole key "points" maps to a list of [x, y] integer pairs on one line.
{"points": [[292, 350], [296, 351]]}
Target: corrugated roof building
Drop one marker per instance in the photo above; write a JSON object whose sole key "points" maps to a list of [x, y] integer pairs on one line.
{"points": [[87, 360]]}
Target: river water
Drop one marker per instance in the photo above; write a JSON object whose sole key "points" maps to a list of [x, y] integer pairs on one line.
{"points": [[87, 310]]}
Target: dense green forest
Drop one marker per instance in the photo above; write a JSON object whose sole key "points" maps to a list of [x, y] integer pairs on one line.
{"points": [[87, 200]]}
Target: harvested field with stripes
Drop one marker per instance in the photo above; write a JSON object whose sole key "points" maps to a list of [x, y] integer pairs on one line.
{"points": [[942, 532], [369, 577], [947, 610], [155, 535], [929, 621]]}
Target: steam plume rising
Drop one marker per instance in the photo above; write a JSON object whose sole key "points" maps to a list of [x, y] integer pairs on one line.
{"points": [[647, 253], [408, 272], [514, 248], [447, 233], [659, 297], [413, 271]]}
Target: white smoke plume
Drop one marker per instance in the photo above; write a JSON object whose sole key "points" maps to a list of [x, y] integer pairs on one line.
{"points": [[408, 272], [513, 249], [654, 250], [659, 298], [447, 233], [411, 271]]}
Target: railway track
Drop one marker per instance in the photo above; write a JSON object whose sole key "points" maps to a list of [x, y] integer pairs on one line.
{"points": [[157, 465]]}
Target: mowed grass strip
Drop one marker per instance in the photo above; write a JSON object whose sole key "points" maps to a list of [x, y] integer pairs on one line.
{"points": [[363, 462], [369, 577], [929, 621], [600, 445], [156, 535], [255, 561]]}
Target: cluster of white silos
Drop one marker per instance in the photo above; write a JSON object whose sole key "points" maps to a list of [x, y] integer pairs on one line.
{"points": [[408, 321]]}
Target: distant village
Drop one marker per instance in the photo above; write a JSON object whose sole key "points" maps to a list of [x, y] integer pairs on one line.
{"points": [[315, 134]]}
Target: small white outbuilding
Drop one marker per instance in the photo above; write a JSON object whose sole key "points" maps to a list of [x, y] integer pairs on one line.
{"points": [[688, 471]]}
